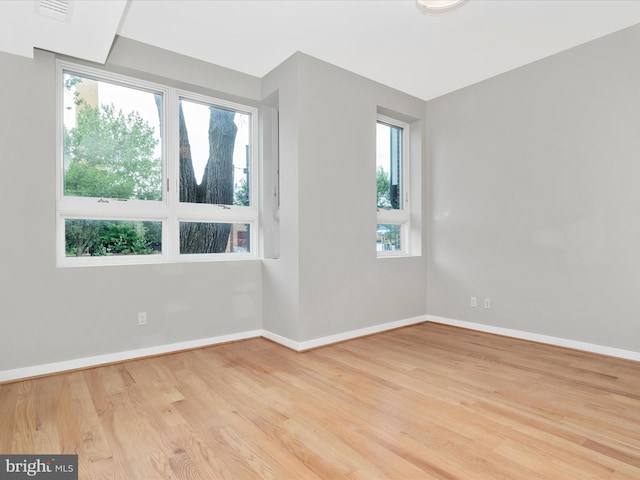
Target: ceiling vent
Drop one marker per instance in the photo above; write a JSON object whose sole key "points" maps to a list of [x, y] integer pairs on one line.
{"points": [[58, 9]]}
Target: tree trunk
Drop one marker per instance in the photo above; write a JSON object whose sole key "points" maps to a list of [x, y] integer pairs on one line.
{"points": [[188, 184], [216, 186]]}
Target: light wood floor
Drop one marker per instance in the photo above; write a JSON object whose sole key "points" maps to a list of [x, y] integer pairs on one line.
{"points": [[423, 402]]}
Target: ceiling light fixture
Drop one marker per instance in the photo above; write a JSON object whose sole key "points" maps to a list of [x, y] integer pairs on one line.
{"points": [[437, 5]]}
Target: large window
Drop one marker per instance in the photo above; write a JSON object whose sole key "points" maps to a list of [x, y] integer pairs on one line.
{"points": [[392, 165], [152, 174]]}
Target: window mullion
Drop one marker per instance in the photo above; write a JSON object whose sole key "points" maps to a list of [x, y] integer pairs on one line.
{"points": [[172, 159]]}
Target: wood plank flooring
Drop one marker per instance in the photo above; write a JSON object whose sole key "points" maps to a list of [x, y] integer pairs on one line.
{"points": [[423, 402]]}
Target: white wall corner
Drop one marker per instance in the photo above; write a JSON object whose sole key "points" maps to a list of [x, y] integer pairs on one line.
{"points": [[535, 337], [341, 337], [95, 361], [279, 339]]}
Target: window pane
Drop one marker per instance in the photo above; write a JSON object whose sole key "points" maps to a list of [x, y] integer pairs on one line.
{"points": [[214, 155], [389, 237], [201, 237], [388, 166], [112, 145], [111, 237]]}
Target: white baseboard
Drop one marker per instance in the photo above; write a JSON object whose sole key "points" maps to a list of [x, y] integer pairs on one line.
{"points": [[87, 362], [341, 337], [94, 361], [279, 339], [535, 337]]}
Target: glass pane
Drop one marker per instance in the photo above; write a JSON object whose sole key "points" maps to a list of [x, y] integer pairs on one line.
{"points": [[388, 166], [214, 155], [112, 145], [111, 237], [201, 237], [389, 237]]}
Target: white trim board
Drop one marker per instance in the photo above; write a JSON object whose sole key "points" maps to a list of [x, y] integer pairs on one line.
{"points": [[341, 337], [535, 337], [95, 361], [88, 362]]}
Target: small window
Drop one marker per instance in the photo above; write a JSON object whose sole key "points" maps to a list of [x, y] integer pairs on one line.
{"points": [[99, 238], [202, 237], [392, 198], [389, 238]]}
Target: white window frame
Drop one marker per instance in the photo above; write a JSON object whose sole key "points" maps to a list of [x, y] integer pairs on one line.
{"points": [[170, 211], [401, 216]]}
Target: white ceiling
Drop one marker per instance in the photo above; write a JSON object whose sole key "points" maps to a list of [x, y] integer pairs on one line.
{"points": [[390, 41], [87, 33]]}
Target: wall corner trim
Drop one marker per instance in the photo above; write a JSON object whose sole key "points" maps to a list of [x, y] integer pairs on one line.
{"points": [[535, 337], [341, 337], [109, 358]]}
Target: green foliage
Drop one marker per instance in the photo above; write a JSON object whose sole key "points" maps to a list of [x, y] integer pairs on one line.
{"points": [[81, 237], [125, 238], [383, 194], [71, 81], [85, 180], [103, 237], [110, 155], [241, 193]]}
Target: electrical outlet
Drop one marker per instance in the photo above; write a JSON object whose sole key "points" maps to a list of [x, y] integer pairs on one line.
{"points": [[473, 301], [487, 303], [142, 318]]}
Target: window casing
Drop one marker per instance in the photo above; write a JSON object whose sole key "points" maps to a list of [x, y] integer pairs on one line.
{"points": [[393, 230], [132, 161]]}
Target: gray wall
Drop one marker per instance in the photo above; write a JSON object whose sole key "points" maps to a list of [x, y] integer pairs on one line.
{"points": [[281, 287], [535, 196], [343, 283], [328, 279], [530, 195], [50, 314]]}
